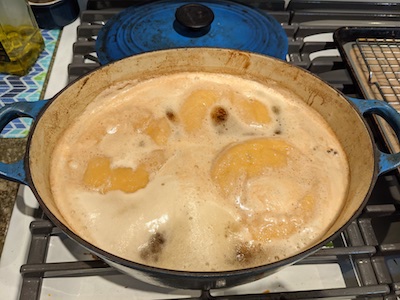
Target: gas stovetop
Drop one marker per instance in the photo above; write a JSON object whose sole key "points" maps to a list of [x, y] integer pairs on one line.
{"points": [[302, 20], [363, 262]]}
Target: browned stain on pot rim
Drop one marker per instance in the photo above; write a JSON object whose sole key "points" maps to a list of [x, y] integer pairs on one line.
{"points": [[239, 60]]}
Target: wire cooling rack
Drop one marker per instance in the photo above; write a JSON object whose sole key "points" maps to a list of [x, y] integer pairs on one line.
{"points": [[380, 58], [372, 57]]}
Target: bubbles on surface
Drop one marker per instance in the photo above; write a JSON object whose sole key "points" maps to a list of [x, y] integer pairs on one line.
{"points": [[223, 158]]}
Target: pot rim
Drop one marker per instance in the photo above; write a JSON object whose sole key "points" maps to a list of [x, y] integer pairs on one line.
{"points": [[196, 274]]}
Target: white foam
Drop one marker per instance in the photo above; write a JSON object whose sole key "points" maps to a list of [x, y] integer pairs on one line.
{"points": [[181, 219]]}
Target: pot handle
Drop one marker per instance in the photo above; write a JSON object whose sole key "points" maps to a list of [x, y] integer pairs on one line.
{"points": [[386, 162], [16, 171]]}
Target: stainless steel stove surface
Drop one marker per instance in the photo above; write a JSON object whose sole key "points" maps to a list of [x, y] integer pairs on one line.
{"points": [[363, 262]]}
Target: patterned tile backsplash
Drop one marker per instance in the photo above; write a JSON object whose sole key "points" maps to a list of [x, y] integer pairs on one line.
{"points": [[30, 87]]}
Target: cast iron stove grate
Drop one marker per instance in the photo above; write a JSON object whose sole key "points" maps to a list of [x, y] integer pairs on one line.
{"points": [[368, 251]]}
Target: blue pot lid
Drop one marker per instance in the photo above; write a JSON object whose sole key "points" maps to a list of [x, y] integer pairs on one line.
{"points": [[180, 24]]}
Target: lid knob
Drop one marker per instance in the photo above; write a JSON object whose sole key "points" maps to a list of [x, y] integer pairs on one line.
{"points": [[194, 17]]}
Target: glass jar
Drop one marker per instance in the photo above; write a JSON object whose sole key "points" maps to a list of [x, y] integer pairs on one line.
{"points": [[21, 41]]}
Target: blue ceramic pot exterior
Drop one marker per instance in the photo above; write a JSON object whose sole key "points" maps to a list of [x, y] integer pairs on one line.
{"points": [[158, 26]]}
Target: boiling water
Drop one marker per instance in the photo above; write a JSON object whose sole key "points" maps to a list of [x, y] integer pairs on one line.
{"points": [[199, 172]]}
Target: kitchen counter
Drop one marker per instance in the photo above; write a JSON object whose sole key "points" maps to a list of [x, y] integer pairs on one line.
{"points": [[10, 150]]}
